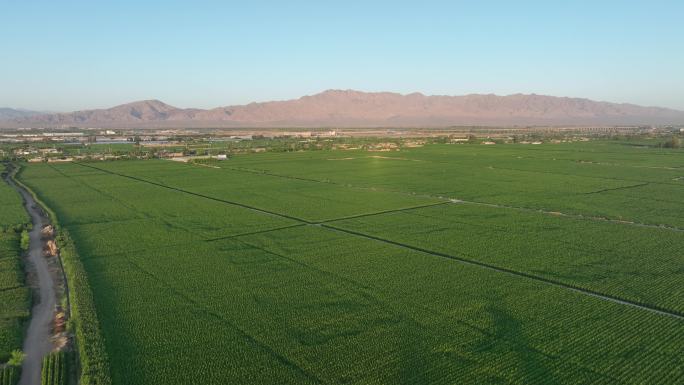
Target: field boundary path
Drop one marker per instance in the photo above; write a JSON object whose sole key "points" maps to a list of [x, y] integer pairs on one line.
{"points": [[37, 343], [327, 225]]}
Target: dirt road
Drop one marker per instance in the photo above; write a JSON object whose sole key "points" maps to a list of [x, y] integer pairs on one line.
{"points": [[37, 342]]}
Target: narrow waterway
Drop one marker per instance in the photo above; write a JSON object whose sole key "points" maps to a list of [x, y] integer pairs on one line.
{"points": [[37, 342]]}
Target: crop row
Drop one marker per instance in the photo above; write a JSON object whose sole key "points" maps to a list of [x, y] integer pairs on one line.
{"points": [[94, 362], [9, 375], [54, 369]]}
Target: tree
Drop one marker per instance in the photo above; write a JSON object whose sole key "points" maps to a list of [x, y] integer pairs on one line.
{"points": [[673, 142]]}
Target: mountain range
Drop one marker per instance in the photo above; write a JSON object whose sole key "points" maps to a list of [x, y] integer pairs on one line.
{"points": [[349, 108], [11, 113]]}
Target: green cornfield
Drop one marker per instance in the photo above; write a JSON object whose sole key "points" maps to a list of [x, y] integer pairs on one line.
{"points": [[15, 299], [12, 212], [507, 264]]}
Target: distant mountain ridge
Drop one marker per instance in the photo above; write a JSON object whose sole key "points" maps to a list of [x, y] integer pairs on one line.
{"points": [[349, 108], [11, 113]]}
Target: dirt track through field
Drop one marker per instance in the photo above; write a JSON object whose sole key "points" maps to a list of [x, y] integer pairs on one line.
{"points": [[326, 224], [37, 342]]}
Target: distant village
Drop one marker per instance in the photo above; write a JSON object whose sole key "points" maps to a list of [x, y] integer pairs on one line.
{"points": [[64, 145]]}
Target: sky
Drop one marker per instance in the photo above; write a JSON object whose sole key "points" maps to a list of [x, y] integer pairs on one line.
{"points": [[62, 55]]}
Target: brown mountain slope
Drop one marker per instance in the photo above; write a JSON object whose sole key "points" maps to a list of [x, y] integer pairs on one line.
{"points": [[10, 113], [358, 109], [142, 111]]}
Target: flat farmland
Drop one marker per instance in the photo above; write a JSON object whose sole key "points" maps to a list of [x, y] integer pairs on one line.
{"points": [[550, 264], [15, 297], [12, 212]]}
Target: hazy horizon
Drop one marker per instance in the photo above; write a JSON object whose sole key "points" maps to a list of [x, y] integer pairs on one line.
{"points": [[81, 55]]}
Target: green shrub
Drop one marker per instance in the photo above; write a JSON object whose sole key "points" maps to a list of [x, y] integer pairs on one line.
{"points": [[16, 358], [25, 240]]}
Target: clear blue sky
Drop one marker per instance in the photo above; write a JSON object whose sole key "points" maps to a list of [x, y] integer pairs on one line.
{"points": [[65, 55]]}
